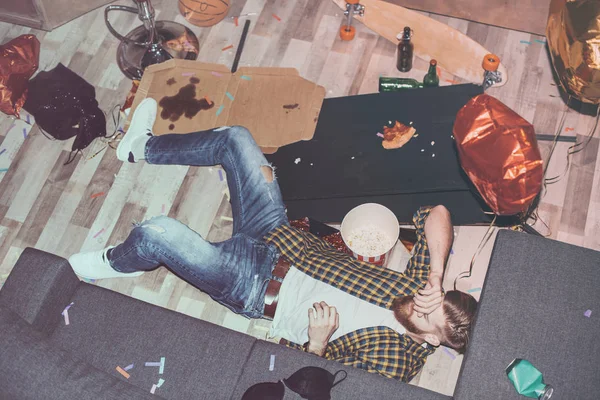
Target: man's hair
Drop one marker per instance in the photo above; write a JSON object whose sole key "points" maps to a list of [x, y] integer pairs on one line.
{"points": [[459, 310]]}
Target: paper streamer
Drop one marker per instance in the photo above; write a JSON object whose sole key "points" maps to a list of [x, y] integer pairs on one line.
{"points": [[272, 363], [588, 313], [127, 368], [123, 372]]}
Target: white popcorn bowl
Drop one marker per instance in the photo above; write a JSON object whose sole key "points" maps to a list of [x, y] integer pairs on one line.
{"points": [[371, 214]]}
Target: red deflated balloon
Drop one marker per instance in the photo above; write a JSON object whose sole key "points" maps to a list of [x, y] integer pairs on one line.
{"points": [[498, 150], [19, 59]]}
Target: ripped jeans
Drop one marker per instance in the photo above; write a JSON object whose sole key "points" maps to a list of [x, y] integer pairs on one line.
{"points": [[235, 272]]}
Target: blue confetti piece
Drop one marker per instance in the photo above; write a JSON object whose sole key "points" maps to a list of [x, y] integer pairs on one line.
{"points": [[1, 152], [127, 368], [28, 121], [245, 77], [525, 42], [221, 175], [162, 366], [24, 133], [3, 169], [220, 110], [540, 41], [477, 289], [451, 251], [452, 356], [229, 95]]}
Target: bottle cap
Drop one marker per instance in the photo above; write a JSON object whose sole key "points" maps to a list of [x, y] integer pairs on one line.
{"points": [[433, 62]]}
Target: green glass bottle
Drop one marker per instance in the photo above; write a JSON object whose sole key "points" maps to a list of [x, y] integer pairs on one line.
{"points": [[431, 79], [397, 84]]}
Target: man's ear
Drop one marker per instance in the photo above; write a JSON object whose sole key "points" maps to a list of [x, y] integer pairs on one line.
{"points": [[432, 339]]}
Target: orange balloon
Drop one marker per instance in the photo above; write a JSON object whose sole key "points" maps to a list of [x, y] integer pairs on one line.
{"points": [[204, 12]]}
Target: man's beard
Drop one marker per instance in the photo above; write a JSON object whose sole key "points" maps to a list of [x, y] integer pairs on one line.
{"points": [[403, 311]]}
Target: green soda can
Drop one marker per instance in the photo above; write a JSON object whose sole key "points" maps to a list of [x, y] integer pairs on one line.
{"points": [[527, 380]]}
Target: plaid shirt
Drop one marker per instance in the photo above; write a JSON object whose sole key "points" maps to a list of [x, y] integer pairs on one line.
{"points": [[377, 349]]}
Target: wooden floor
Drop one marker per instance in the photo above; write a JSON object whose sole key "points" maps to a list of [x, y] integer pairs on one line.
{"points": [[46, 205]]}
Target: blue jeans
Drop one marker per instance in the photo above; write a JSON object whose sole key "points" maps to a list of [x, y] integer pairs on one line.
{"points": [[235, 272]]}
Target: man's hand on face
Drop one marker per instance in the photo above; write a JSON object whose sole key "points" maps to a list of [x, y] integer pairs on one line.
{"points": [[430, 297], [322, 322]]}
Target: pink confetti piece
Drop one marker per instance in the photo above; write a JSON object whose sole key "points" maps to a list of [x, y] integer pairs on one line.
{"points": [[227, 47], [127, 368], [237, 21], [66, 315], [276, 17], [98, 233], [162, 210], [379, 134], [588, 313], [188, 73], [215, 73], [452, 356], [221, 175], [569, 129]]}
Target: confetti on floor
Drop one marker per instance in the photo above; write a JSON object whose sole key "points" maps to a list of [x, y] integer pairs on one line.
{"points": [[127, 368], [2, 151], [473, 290], [152, 364], [220, 110], [221, 175], [452, 356], [123, 372], [28, 119], [227, 47], [229, 95], [245, 77], [540, 41], [272, 363], [98, 233], [276, 17], [188, 73], [97, 195], [215, 73], [160, 382], [153, 389], [569, 129], [224, 218], [65, 314], [237, 21], [24, 133], [525, 42], [588, 313], [162, 365]]}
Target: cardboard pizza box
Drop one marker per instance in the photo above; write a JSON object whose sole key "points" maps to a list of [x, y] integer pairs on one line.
{"points": [[277, 105]]}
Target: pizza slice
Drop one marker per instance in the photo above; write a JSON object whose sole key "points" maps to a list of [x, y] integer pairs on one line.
{"points": [[397, 136]]}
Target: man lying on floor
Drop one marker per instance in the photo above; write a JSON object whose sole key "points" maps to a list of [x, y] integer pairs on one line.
{"points": [[338, 307]]}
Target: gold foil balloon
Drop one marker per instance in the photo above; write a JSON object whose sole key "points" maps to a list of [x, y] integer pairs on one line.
{"points": [[499, 152], [204, 12], [573, 34]]}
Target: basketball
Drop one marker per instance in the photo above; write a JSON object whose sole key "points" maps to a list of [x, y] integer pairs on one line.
{"points": [[204, 12]]}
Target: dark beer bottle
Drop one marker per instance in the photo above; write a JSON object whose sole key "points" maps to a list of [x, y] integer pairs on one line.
{"points": [[431, 79], [397, 84], [405, 51]]}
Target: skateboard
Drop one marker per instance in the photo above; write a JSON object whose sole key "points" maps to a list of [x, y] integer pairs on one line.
{"points": [[454, 51]]}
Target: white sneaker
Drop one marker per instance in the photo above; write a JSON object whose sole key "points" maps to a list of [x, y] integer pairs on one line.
{"points": [[141, 124], [95, 265]]}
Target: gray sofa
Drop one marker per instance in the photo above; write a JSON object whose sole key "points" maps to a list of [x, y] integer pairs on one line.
{"points": [[532, 307]]}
